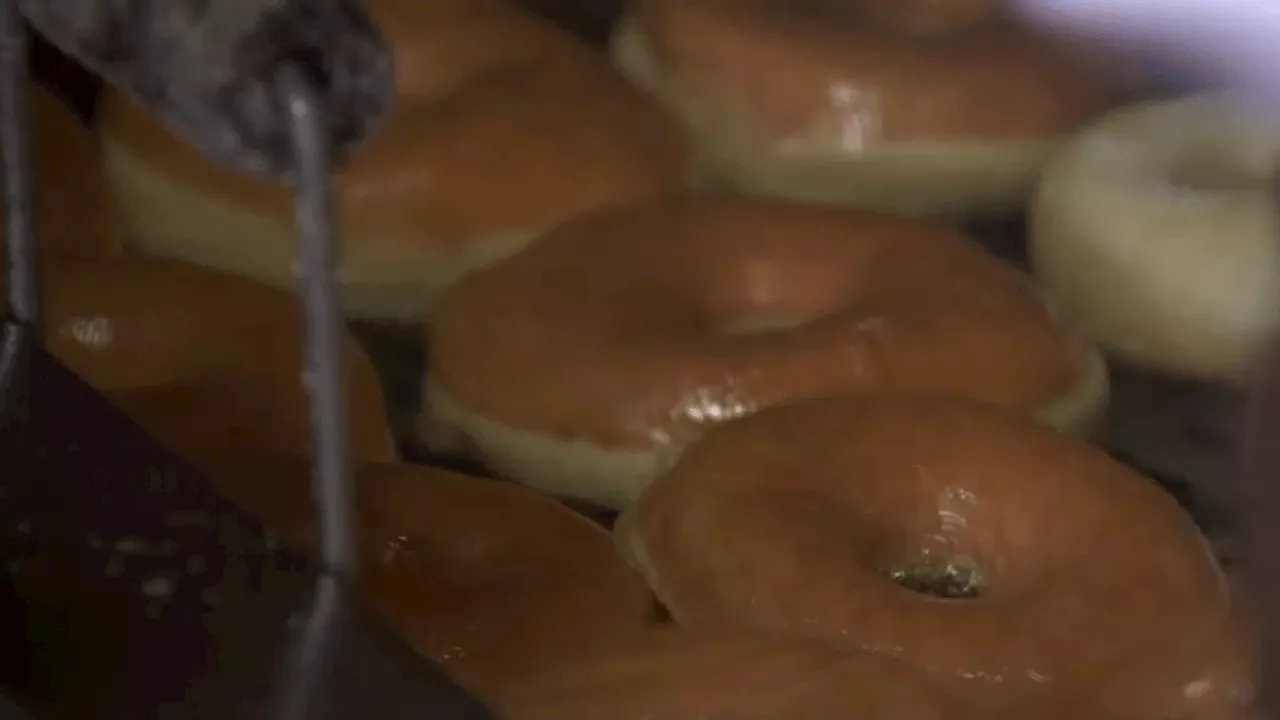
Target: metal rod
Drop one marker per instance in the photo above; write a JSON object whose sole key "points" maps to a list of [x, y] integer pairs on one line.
{"points": [[19, 262], [331, 487]]}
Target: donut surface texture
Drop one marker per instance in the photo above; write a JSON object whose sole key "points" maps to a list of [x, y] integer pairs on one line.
{"points": [[489, 579], [1155, 230], [846, 103], [1009, 560], [503, 127], [578, 364]]}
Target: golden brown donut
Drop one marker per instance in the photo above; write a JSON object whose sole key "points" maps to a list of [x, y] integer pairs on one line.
{"points": [[200, 359], [578, 364], [903, 106], [1061, 571], [676, 675], [488, 578], [203, 360], [73, 214], [504, 126]]}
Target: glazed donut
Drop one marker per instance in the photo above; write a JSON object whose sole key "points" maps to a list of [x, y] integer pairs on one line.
{"points": [[73, 214], [1155, 230], [675, 675], [504, 127], [848, 103], [843, 519], [578, 364], [204, 361], [489, 579]]}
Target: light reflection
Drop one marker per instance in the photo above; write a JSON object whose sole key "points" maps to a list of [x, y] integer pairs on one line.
{"points": [[95, 332], [852, 123]]}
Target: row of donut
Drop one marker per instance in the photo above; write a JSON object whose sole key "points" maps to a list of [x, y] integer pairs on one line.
{"points": [[803, 537], [877, 556], [1150, 229], [522, 600], [588, 362], [480, 575]]}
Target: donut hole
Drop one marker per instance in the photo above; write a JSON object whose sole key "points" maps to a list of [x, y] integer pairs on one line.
{"points": [[760, 324], [949, 578], [755, 301], [659, 614]]}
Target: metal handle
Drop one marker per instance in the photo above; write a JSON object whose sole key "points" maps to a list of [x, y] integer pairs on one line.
{"points": [[19, 266], [322, 376]]}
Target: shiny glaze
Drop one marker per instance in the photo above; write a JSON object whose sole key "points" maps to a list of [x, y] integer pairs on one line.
{"points": [[636, 327], [1092, 583], [489, 579], [847, 74]]}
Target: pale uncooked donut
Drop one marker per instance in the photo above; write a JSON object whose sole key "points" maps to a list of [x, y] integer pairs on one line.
{"points": [[1154, 230]]}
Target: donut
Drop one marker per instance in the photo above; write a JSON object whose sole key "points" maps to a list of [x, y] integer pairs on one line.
{"points": [[487, 578], [919, 108], [74, 216], [1009, 561], [1154, 230], [578, 364], [674, 675], [204, 361], [504, 126]]}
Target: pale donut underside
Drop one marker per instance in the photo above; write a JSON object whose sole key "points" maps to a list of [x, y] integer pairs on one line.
{"points": [[167, 220], [833, 163], [1154, 231], [616, 478]]}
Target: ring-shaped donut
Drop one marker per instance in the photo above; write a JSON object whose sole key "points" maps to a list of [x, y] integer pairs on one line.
{"points": [[1010, 560], [491, 580], [1155, 232], [579, 364], [815, 101]]}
